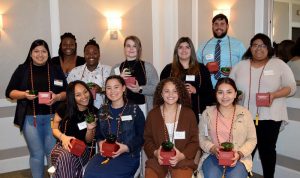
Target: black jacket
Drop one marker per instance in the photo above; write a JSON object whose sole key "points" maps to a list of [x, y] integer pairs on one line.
{"points": [[19, 81]]}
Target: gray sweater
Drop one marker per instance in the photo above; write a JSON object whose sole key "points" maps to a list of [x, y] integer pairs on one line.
{"points": [[152, 81]]}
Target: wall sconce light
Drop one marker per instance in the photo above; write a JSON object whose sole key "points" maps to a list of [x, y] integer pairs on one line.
{"points": [[222, 11], [114, 24]]}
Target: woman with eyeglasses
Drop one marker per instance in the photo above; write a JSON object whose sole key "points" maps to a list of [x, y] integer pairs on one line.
{"points": [[265, 82]]}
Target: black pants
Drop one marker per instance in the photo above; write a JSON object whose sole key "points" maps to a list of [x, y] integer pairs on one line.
{"points": [[267, 134]]}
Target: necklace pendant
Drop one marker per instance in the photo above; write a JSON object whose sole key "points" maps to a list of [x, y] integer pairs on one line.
{"points": [[105, 161], [256, 119]]}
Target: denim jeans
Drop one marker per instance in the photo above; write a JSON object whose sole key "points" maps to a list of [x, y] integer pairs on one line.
{"points": [[40, 142], [211, 169]]}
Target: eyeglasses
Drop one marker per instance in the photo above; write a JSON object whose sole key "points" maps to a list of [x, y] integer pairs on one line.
{"points": [[256, 46]]}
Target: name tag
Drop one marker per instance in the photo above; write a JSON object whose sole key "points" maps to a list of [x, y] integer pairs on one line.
{"points": [[268, 72], [82, 125], [126, 118], [117, 71], [209, 57], [58, 82], [179, 135], [190, 78]]}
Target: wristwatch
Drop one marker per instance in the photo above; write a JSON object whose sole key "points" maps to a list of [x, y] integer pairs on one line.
{"points": [[141, 90]]}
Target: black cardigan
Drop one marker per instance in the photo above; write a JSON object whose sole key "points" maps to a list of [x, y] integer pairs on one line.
{"points": [[19, 81]]}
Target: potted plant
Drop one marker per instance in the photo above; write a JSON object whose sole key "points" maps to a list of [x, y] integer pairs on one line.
{"points": [[225, 71], [90, 118], [92, 87], [110, 146], [167, 152], [33, 92], [226, 154]]}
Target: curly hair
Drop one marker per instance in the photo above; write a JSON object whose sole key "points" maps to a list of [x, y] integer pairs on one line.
{"points": [[183, 96]]}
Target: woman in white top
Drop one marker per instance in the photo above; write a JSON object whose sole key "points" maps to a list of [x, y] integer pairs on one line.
{"points": [[274, 81]]}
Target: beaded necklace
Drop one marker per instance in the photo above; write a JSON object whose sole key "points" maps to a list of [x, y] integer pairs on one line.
{"points": [[118, 122], [167, 138], [230, 135], [230, 131], [230, 55], [32, 87], [249, 94]]}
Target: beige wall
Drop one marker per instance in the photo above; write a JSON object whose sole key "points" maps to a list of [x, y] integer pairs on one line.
{"points": [[281, 21], [30, 19], [184, 18], [241, 22], [91, 22], [24, 22]]}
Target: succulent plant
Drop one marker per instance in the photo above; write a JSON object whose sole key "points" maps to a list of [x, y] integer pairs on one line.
{"points": [[111, 138], [225, 70], [33, 92], [90, 84], [90, 118], [227, 146], [167, 145]]}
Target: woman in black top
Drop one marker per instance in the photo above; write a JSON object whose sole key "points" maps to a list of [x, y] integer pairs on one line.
{"points": [[74, 119], [145, 78], [67, 57], [194, 74], [35, 75]]}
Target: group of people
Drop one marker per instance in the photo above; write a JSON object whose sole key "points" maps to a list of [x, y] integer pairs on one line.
{"points": [[200, 101]]}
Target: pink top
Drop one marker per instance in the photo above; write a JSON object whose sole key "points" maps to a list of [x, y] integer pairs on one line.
{"points": [[224, 125]]}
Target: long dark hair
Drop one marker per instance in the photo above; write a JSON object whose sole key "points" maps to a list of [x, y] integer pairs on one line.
{"points": [[228, 81], [34, 44], [72, 108], [266, 41], [177, 68], [183, 96]]}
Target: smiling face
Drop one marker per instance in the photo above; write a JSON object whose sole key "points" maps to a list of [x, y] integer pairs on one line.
{"points": [[68, 46], [114, 90], [225, 95], [130, 49], [259, 51], [184, 51], [170, 93], [39, 55], [82, 96], [91, 55], [219, 28]]}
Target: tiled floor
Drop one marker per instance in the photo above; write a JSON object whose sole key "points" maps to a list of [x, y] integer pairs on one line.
{"points": [[20, 174]]}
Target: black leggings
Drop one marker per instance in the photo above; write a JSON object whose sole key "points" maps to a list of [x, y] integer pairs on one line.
{"points": [[267, 134]]}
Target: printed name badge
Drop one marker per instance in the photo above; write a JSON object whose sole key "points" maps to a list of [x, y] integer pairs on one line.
{"points": [[58, 82], [117, 71], [190, 78], [179, 135], [82, 125], [268, 72], [209, 57], [126, 118]]}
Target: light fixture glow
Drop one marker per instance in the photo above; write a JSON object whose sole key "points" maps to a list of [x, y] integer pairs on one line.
{"points": [[222, 11]]}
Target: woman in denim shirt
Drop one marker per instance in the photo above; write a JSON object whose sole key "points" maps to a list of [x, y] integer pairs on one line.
{"points": [[124, 120]]}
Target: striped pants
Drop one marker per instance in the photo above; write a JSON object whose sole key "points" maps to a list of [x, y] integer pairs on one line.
{"points": [[66, 164]]}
